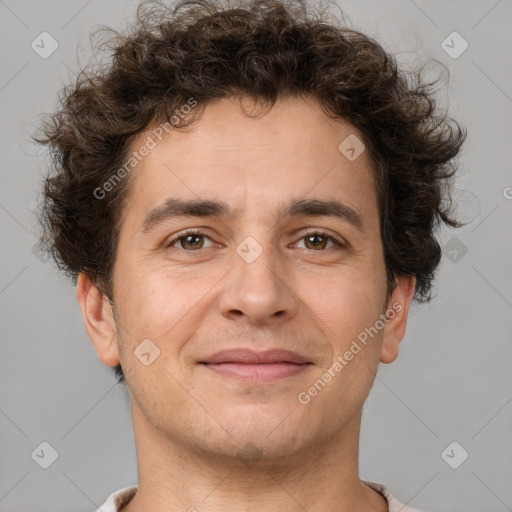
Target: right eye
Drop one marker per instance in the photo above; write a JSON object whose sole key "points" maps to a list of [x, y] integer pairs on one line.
{"points": [[191, 240]]}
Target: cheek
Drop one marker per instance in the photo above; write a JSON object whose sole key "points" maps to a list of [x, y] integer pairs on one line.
{"points": [[162, 305], [156, 319], [348, 305]]}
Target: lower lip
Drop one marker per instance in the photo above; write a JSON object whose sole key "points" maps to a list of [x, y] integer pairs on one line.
{"points": [[258, 372]]}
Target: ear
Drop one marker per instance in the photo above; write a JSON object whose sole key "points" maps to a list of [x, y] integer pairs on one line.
{"points": [[98, 320], [394, 329]]}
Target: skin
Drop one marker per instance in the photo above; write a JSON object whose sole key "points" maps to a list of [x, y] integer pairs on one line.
{"points": [[192, 427]]}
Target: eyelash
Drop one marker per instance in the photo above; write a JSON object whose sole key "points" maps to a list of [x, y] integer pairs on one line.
{"points": [[310, 232]]}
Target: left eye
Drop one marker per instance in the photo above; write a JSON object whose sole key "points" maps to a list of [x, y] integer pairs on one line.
{"points": [[319, 241]]}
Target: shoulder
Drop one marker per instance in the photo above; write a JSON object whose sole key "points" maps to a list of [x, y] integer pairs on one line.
{"points": [[394, 504], [118, 499]]}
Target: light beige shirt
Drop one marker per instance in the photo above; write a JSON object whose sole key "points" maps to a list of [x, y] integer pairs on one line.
{"points": [[121, 497]]}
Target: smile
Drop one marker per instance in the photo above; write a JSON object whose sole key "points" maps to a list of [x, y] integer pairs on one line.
{"points": [[258, 372]]}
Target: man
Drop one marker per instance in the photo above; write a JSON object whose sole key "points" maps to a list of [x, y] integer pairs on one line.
{"points": [[247, 200]]}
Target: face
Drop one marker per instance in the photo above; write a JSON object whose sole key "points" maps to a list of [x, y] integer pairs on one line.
{"points": [[285, 254]]}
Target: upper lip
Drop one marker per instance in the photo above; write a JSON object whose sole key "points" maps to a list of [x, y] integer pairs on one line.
{"points": [[245, 356]]}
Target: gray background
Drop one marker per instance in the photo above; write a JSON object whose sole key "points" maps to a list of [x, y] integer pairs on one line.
{"points": [[452, 381]]}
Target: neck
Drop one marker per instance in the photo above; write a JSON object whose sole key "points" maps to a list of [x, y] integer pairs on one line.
{"points": [[176, 476]]}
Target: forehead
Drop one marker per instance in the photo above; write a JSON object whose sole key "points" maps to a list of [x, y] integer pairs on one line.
{"points": [[290, 151]]}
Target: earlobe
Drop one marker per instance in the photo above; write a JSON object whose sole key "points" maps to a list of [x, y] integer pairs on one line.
{"points": [[98, 320], [398, 308], [389, 350]]}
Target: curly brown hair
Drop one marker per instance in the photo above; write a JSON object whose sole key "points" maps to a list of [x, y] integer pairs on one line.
{"points": [[265, 49]]}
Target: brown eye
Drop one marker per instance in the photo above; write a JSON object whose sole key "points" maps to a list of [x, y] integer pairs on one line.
{"points": [[319, 241], [316, 241], [189, 241]]}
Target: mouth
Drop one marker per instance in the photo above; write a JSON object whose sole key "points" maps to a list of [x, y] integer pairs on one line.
{"points": [[257, 366], [258, 372]]}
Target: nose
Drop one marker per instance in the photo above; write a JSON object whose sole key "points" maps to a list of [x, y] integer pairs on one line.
{"points": [[259, 290]]}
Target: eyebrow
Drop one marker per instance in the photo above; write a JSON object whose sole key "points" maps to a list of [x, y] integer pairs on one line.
{"points": [[173, 208]]}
